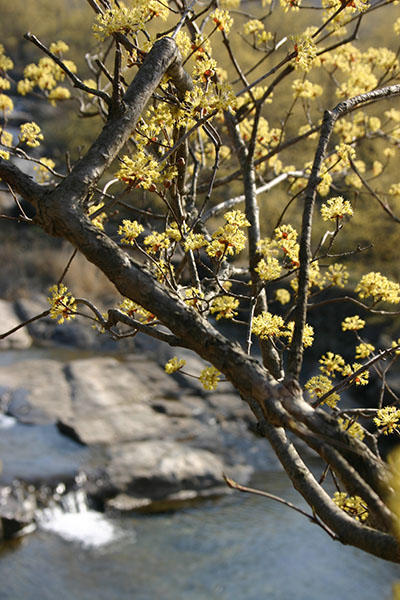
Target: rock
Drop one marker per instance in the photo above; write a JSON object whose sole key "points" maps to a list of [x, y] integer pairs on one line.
{"points": [[17, 509], [8, 320], [159, 468], [142, 434], [41, 383]]}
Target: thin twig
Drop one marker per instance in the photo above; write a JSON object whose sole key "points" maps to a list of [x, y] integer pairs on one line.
{"points": [[243, 488]]}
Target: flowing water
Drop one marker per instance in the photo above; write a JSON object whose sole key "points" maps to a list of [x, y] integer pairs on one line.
{"points": [[240, 547]]}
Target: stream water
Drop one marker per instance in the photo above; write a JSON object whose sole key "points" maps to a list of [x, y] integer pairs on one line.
{"points": [[240, 547]]}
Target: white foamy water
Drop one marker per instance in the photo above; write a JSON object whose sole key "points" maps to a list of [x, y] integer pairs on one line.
{"points": [[6, 422], [90, 529], [71, 519]]}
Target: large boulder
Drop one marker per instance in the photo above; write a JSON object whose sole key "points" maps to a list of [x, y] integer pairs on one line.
{"points": [[143, 436]]}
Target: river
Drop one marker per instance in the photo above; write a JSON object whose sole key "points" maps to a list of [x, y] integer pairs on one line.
{"points": [[240, 547]]}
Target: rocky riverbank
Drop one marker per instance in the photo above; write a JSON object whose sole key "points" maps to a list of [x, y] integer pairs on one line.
{"points": [[145, 439]]}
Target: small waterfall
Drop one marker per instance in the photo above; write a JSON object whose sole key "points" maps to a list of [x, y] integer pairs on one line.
{"points": [[68, 514]]}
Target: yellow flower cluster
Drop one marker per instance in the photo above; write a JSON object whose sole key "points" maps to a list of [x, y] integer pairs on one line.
{"points": [[143, 171], [128, 20], [306, 89], [353, 323], [222, 19], [194, 298], [353, 505], [5, 63], [266, 325], [134, 310], [209, 377], [379, 287], [256, 28], [6, 104], [318, 386], [45, 75], [130, 230], [387, 419], [345, 152], [290, 5], [352, 427], [330, 363], [194, 241], [306, 52], [337, 274], [224, 307], [63, 305], [361, 378], [268, 269], [282, 296], [98, 221], [229, 239], [30, 134], [363, 350], [174, 364], [42, 170], [336, 208], [156, 242]]}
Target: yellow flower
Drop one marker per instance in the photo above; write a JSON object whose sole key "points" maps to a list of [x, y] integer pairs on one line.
{"points": [[194, 241], [267, 325], [6, 138], [353, 428], [130, 230], [4, 154], [222, 19], [269, 269], [353, 323], [31, 134], [318, 386], [336, 208], [99, 220], [136, 311], [173, 232], [63, 305], [156, 242], [337, 274], [308, 334], [306, 52], [194, 298], [361, 379], [174, 364], [209, 377], [42, 171], [6, 104], [59, 93], [379, 287], [353, 505], [387, 419], [345, 152], [363, 350], [306, 89], [330, 363], [225, 307], [59, 47], [252, 26], [282, 296], [4, 84]]}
